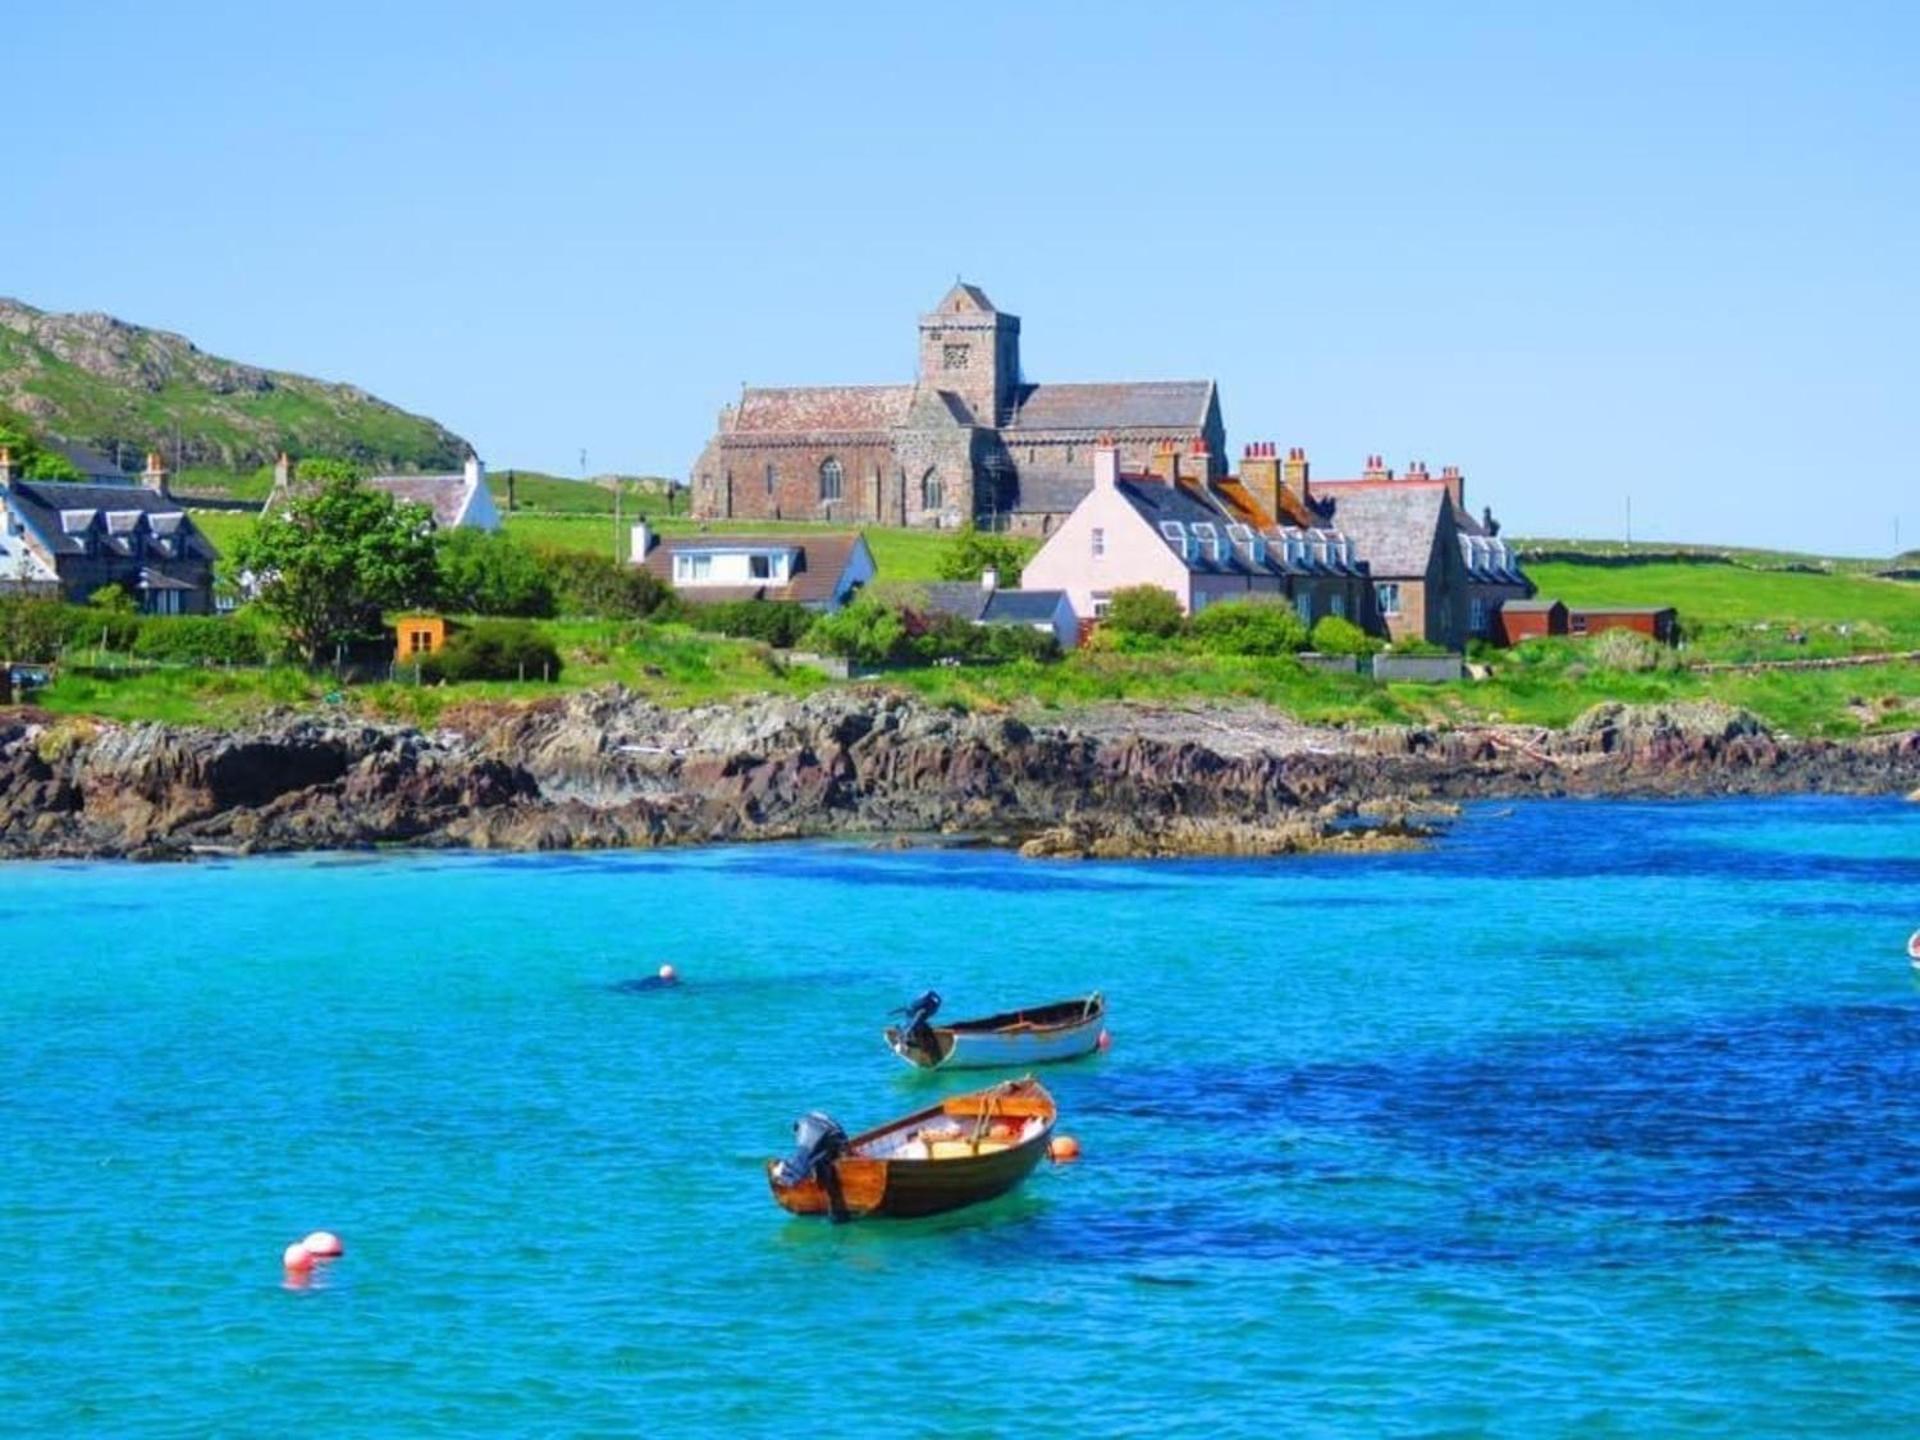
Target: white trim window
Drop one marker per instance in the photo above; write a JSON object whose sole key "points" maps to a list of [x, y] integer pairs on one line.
{"points": [[1303, 606], [692, 569], [1102, 603], [1477, 615], [1099, 541], [1386, 594]]}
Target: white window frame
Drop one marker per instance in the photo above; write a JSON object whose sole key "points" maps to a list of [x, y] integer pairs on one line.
{"points": [[1102, 603], [1098, 540], [1303, 606], [1386, 595]]}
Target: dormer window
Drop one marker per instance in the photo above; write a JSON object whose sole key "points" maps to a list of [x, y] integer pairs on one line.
{"points": [[760, 567]]}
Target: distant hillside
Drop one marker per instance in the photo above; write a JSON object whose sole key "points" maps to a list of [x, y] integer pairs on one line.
{"points": [[99, 381]]}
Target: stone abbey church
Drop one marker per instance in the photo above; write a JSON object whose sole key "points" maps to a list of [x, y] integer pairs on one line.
{"points": [[970, 439]]}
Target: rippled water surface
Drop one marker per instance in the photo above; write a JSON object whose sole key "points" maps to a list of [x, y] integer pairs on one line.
{"points": [[1596, 1119]]}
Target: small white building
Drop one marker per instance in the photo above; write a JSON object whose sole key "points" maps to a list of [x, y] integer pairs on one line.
{"points": [[458, 501], [820, 571]]}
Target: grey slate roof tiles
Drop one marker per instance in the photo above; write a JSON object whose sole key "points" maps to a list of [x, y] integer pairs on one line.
{"points": [[1170, 405]]}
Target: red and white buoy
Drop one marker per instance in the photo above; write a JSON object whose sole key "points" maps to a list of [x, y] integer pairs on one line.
{"points": [[296, 1259], [1913, 949], [324, 1245]]}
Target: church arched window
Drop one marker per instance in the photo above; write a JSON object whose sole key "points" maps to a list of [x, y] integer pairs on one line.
{"points": [[831, 479], [771, 477], [932, 493]]}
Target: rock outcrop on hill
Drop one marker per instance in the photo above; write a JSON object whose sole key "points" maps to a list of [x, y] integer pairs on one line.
{"points": [[605, 768], [101, 382]]}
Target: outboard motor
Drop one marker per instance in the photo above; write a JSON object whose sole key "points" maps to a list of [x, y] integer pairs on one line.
{"points": [[818, 1139], [915, 1031]]}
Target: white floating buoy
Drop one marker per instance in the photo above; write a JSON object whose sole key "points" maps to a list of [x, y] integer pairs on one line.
{"points": [[1913, 949], [297, 1259], [324, 1245], [669, 975]]}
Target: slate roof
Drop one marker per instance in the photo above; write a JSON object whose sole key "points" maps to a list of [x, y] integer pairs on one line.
{"points": [[1163, 506], [964, 599], [1051, 489], [971, 601], [1391, 523], [63, 514], [93, 464], [445, 495], [1161, 405], [1024, 607], [838, 409], [821, 561]]}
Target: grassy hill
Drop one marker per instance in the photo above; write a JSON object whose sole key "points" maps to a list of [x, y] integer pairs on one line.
{"points": [[99, 381]]}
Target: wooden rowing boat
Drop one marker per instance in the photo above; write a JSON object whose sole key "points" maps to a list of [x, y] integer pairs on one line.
{"points": [[1063, 1030], [966, 1149]]}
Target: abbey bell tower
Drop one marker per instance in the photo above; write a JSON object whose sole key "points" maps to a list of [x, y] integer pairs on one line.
{"points": [[972, 350]]}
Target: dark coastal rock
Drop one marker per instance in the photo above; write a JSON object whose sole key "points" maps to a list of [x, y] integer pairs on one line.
{"points": [[605, 768]]}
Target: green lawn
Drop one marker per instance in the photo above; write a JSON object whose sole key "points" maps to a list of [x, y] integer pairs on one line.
{"points": [[1733, 613]]}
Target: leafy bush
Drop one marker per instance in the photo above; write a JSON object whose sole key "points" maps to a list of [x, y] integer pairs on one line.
{"points": [[1415, 645], [31, 629], [491, 573], [1145, 610], [1258, 625], [109, 621], [199, 639], [774, 622], [494, 650], [973, 551], [600, 586], [1333, 635], [867, 631]]}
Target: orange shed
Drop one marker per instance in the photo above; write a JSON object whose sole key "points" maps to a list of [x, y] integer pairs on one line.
{"points": [[418, 635]]}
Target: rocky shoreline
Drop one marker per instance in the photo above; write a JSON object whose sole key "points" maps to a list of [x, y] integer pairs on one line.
{"points": [[609, 769]]}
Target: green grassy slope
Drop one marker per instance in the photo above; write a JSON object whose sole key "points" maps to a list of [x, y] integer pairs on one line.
{"points": [[1733, 596], [100, 381]]}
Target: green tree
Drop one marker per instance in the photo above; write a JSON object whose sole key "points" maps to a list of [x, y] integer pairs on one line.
{"points": [[484, 573], [972, 551], [32, 459], [328, 562], [867, 630], [1145, 610]]}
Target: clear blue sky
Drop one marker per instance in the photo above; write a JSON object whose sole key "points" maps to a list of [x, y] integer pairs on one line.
{"points": [[1582, 252]]}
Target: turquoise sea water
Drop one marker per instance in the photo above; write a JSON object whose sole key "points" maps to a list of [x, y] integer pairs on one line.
{"points": [[1595, 1119]]}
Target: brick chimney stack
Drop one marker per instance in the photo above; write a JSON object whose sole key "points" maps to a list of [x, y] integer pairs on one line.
{"points": [[1260, 474], [1196, 466], [1456, 484], [1294, 476], [1416, 470], [1165, 464], [1376, 469], [154, 477], [1106, 466]]}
